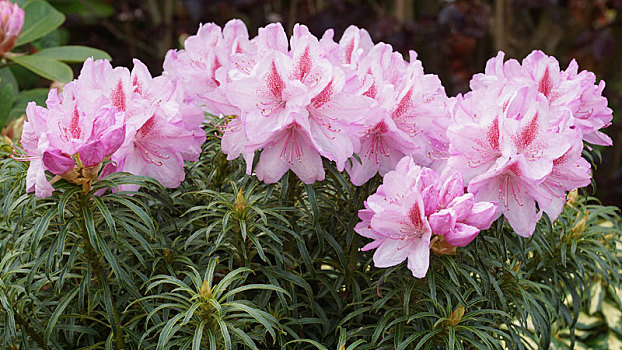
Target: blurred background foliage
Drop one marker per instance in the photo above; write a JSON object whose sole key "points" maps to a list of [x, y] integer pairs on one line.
{"points": [[454, 38]]}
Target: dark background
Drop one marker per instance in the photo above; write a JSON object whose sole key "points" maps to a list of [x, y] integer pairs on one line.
{"points": [[453, 38]]}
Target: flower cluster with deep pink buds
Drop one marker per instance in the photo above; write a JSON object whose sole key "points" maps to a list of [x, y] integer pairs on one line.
{"points": [[414, 204], [11, 23], [305, 98], [138, 122], [517, 136]]}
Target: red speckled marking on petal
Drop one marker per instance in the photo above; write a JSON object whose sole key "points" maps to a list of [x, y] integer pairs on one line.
{"points": [[274, 81], [492, 134], [528, 134], [515, 169], [323, 97], [303, 66], [402, 107], [373, 90], [74, 124], [118, 96], [414, 215], [147, 128], [546, 85]]}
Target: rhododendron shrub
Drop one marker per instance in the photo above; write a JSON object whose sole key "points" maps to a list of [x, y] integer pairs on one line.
{"points": [[304, 192]]}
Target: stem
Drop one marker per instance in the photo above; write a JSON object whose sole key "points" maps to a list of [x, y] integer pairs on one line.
{"points": [[30, 331], [99, 269]]}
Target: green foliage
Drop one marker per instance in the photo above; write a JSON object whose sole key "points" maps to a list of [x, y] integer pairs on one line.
{"points": [[227, 262]]}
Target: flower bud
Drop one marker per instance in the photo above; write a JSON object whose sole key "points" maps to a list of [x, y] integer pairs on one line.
{"points": [[572, 197], [456, 316], [206, 291], [580, 225], [11, 22], [240, 202]]}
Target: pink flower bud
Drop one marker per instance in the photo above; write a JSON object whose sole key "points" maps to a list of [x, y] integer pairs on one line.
{"points": [[11, 22]]}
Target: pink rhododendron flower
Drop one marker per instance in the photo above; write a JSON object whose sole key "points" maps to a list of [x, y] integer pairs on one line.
{"points": [[78, 129], [517, 137], [201, 68], [11, 23], [136, 121], [413, 110], [411, 206], [313, 98], [564, 90]]}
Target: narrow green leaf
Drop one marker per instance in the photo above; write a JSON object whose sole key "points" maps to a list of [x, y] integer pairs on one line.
{"points": [[198, 334], [225, 333], [245, 338], [40, 228], [59, 311]]}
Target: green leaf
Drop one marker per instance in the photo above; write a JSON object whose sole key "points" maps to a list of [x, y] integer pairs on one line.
{"points": [[73, 53], [39, 96], [198, 334], [40, 19], [7, 77], [6, 101], [56, 315], [46, 67], [87, 10]]}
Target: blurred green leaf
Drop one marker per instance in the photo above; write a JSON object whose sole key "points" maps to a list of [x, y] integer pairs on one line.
{"points": [[46, 67], [6, 101], [85, 8], [7, 77], [73, 53], [40, 19]]}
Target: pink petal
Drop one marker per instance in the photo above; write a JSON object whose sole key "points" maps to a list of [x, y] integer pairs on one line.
{"points": [[451, 188], [37, 181], [392, 252], [442, 222], [461, 235], [482, 215], [112, 139], [461, 206], [419, 257], [92, 153], [57, 162]]}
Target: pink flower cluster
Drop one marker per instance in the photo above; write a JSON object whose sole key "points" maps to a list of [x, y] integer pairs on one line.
{"points": [[516, 139], [517, 136], [138, 122], [11, 23], [414, 203], [305, 98]]}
